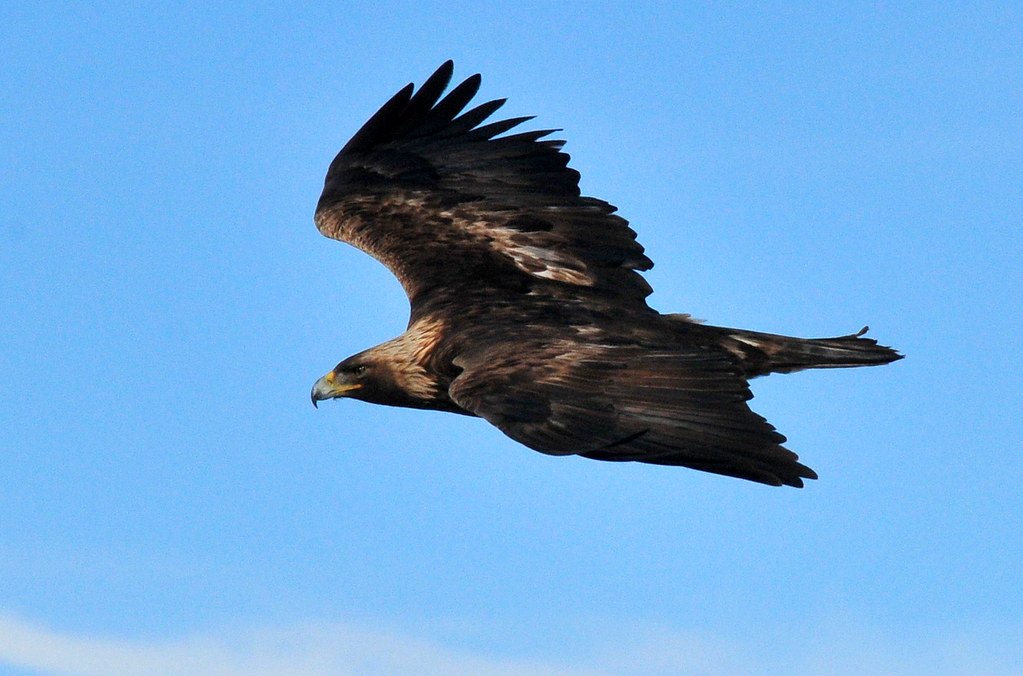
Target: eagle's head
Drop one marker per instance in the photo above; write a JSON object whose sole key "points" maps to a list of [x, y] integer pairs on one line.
{"points": [[358, 377], [396, 373], [391, 373]]}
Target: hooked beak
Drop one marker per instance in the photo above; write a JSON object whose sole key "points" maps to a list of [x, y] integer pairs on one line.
{"points": [[331, 387]]}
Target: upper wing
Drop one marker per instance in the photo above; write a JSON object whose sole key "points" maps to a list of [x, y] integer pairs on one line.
{"points": [[447, 204], [628, 403]]}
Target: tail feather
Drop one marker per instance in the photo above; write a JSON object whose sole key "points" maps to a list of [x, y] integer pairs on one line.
{"points": [[764, 353]]}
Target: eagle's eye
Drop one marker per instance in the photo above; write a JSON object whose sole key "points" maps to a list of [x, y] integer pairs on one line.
{"points": [[358, 370]]}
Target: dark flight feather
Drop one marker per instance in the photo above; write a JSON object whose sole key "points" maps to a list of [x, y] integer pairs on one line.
{"points": [[527, 306]]}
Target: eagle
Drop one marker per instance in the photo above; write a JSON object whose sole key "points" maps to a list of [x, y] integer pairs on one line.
{"points": [[527, 306]]}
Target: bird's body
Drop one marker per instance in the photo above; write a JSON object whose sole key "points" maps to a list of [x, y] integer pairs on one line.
{"points": [[527, 306]]}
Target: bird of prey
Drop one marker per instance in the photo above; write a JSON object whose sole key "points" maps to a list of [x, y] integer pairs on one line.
{"points": [[527, 304]]}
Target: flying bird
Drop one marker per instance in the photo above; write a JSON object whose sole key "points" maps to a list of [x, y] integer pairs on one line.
{"points": [[528, 307]]}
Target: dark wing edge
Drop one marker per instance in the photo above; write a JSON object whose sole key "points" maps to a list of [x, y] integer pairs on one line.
{"points": [[651, 407], [423, 185]]}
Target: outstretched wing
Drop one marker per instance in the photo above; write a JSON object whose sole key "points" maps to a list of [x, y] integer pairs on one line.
{"points": [[449, 205], [624, 403]]}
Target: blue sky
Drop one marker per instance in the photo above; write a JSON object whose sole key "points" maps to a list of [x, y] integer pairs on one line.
{"points": [[168, 497]]}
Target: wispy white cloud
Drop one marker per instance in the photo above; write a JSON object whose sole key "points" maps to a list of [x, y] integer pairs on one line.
{"points": [[829, 649], [334, 648], [340, 648]]}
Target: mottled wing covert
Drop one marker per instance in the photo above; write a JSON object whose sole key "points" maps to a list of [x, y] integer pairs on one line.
{"points": [[447, 203]]}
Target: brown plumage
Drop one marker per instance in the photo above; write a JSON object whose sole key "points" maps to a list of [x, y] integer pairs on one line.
{"points": [[527, 306]]}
